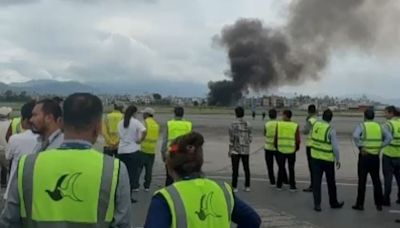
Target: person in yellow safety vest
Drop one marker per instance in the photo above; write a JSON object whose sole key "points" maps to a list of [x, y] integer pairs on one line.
{"points": [[370, 138], [270, 149], [324, 153], [74, 185], [287, 142], [148, 146], [311, 119], [16, 127], [110, 130], [391, 154], [195, 201], [175, 128]]}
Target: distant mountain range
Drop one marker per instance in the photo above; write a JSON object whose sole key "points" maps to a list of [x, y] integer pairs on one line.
{"points": [[165, 88]]}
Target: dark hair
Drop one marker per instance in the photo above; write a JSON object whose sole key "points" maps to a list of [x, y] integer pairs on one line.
{"points": [[118, 107], [57, 99], [26, 110], [392, 109], [272, 113], [129, 112], [179, 111], [288, 113], [186, 154], [82, 110], [51, 107], [312, 109], [369, 114], [239, 112], [327, 115]]}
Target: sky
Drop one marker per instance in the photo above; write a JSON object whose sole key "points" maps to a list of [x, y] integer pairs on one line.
{"points": [[153, 41]]}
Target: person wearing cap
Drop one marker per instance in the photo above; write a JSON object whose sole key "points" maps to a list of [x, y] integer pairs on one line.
{"points": [[110, 130], [194, 200], [148, 146], [5, 123], [22, 143], [175, 128], [73, 185]]}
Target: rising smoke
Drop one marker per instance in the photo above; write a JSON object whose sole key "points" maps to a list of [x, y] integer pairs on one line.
{"points": [[262, 57]]}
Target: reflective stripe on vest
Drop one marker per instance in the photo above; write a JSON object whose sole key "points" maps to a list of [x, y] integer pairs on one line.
{"points": [[199, 203], [393, 149], [372, 137], [270, 128], [287, 136], [67, 188], [150, 142], [16, 126], [312, 121], [177, 128], [321, 145]]}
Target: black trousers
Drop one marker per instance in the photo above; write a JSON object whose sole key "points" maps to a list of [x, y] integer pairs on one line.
{"points": [[235, 158], [391, 166], [3, 176], [281, 159], [308, 152], [132, 163], [269, 160], [110, 152], [319, 167], [369, 164], [146, 162]]}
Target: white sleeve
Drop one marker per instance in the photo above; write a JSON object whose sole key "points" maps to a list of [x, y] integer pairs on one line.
{"points": [[10, 150], [141, 127]]}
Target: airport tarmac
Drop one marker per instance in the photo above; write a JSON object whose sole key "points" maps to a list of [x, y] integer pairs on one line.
{"points": [[278, 209]]}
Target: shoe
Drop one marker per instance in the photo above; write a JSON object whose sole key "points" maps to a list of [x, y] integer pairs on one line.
{"points": [[358, 207], [133, 201], [309, 189], [279, 189], [398, 201], [272, 184], [379, 207], [247, 189], [338, 205], [397, 221], [147, 190], [136, 190], [317, 208], [235, 190], [293, 189]]}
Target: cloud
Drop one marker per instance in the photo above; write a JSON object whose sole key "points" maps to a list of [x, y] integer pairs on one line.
{"points": [[16, 2], [125, 40]]}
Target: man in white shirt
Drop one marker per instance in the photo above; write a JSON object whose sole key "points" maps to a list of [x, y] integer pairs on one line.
{"points": [[23, 143], [46, 121], [131, 133], [4, 126]]}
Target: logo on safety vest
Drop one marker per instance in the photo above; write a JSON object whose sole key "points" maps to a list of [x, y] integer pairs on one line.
{"points": [[65, 188], [206, 208]]}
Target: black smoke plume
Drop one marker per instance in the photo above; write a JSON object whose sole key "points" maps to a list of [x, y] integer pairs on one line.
{"points": [[261, 57]]}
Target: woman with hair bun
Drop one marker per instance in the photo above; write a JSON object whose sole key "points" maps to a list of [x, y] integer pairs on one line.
{"points": [[194, 200]]}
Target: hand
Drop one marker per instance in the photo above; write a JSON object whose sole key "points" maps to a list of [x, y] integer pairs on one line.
{"points": [[338, 165]]}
